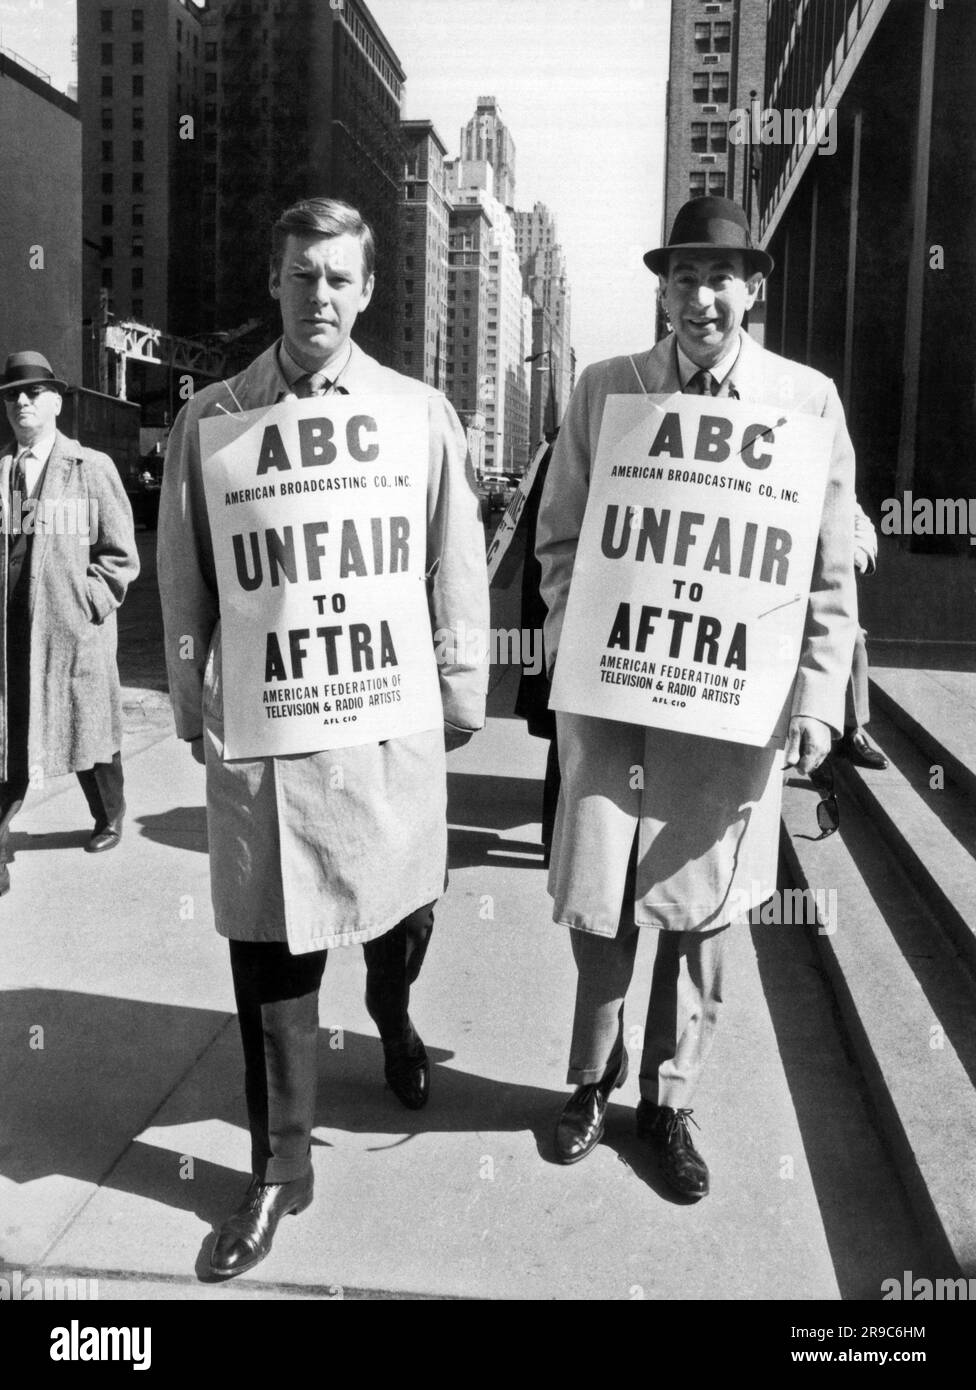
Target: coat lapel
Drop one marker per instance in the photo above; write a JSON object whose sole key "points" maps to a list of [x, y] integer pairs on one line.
{"points": [[63, 458]]}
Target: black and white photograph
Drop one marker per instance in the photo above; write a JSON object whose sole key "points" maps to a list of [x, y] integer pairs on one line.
{"points": [[488, 663]]}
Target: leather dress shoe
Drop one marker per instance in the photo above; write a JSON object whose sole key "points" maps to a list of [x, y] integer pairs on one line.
{"points": [[666, 1132], [407, 1070], [106, 836], [857, 746], [580, 1127], [245, 1238]]}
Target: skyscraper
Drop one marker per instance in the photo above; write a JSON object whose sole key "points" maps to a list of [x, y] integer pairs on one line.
{"points": [[487, 138], [470, 182], [546, 282], [467, 322], [424, 254]]}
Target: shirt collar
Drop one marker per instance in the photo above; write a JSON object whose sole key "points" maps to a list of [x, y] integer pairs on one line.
{"points": [[687, 368], [293, 371], [41, 449]]}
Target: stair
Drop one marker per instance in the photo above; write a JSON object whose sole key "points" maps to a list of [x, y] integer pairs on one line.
{"points": [[901, 954]]}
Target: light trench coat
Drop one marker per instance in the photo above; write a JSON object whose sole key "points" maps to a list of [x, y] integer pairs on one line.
{"points": [[707, 815], [77, 580], [333, 848]]}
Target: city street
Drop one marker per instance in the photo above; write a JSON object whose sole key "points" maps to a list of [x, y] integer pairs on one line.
{"points": [[125, 1138]]}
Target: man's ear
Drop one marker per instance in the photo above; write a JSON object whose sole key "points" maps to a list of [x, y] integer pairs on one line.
{"points": [[57, 408], [274, 281], [367, 292], [752, 287]]}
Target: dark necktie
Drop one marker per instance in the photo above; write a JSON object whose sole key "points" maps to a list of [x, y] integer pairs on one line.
{"points": [[18, 477], [702, 384], [316, 384]]}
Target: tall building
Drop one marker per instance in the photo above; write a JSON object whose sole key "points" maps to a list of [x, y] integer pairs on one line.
{"points": [[871, 226], [715, 80], [140, 81], [486, 138], [308, 102], [546, 282], [470, 182], [424, 254], [467, 322], [201, 120], [40, 227]]}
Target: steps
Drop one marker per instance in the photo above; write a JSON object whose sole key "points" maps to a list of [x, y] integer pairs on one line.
{"points": [[902, 953]]}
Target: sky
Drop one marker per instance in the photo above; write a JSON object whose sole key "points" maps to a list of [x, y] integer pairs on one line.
{"points": [[581, 86]]}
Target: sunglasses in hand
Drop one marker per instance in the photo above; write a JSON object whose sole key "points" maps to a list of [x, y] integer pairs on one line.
{"points": [[828, 814]]}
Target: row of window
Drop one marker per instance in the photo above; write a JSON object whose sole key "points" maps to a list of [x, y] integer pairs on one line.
{"points": [[700, 183], [709, 87], [713, 38], [108, 21], [709, 136], [138, 249], [138, 182], [108, 118], [138, 214], [138, 151]]}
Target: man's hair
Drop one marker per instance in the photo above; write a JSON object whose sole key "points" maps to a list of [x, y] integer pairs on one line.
{"points": [[322, 217]]}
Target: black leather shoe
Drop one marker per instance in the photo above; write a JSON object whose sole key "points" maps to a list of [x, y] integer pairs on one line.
{"points": [[856, 746], [407, 1070], [245, 1238], [580, 1127], [106, 836], [666, 1131]]}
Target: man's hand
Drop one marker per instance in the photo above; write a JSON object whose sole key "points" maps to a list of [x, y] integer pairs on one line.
{"points": [[455, 738], [808, 743], [196, 748]]}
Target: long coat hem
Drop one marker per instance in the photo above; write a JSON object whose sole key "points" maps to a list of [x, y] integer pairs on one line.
{"points": [[310, 942]]}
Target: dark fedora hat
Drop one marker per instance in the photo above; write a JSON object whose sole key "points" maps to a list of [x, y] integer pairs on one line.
{"points": [[710, 224], [29, 369]]}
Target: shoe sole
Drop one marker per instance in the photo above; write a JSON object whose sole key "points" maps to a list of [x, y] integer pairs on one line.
{"points": [[296, 1210], [584, 1153]]}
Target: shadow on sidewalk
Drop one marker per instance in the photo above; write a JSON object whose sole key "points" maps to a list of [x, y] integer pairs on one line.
{"points": [[103, 1070], [478, 807]]}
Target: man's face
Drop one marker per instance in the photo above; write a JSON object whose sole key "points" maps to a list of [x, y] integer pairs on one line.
{"points": [[321, 292], [32, 412], [706, 298]]}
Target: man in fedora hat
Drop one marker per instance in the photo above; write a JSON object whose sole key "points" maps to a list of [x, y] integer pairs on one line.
{"points": [[69, 554], [662, 850]]}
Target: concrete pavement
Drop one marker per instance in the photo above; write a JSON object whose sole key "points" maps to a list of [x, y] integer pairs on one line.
{"points": [[124, 1132]]}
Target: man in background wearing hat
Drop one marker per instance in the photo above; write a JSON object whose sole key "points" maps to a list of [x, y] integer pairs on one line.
{"points": [[69, 554], [662, 853]]}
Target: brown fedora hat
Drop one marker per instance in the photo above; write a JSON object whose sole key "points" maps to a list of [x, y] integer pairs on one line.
{"points": [[29, 369], [710, 224]]}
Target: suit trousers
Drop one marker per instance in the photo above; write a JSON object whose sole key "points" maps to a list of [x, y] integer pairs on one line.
{"points": [[277, 997], [682, 1011], [857, 706], [102, 785]]}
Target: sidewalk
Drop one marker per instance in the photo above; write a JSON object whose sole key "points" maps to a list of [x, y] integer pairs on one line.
{"points": [[125, 1132]]}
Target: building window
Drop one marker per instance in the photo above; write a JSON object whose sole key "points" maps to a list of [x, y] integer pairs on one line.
{"points": [[106, 183], [137, 273], [108, 214], [179, 31], [106, 277], [716, 184], [137, 53], [107, 118], [720, 137], [696, 184], [722, 37], [179, 62], [107, 55], [138, 309], [106, 247], [137, 88], [106, 21], [138, 182], [138, 244], [699, 136], [137, 119], [210, 112], [700, 87], [209, 82], [138, 23], [107, 151], [210, 53], [703, 38], [137, 152], [408, 335], [138, 214], [106, 85]]}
